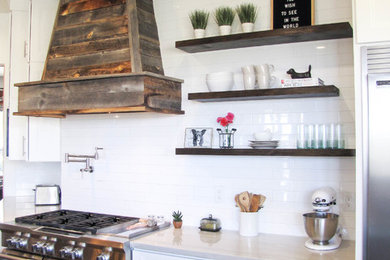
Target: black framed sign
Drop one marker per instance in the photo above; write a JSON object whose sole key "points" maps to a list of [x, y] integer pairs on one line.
{"points": [[291, 13]]}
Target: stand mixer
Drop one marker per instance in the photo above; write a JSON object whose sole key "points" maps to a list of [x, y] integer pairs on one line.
{"points": [[321, 225]]}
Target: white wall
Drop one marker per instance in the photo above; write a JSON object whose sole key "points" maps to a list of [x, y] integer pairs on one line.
{"points": [[139, 174]]}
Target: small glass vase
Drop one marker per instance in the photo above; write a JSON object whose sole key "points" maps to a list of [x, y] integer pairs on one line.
{"points": [[226, 139]]}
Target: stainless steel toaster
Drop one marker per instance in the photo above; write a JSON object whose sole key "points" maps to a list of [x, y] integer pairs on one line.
{"points": [[47, 195]]}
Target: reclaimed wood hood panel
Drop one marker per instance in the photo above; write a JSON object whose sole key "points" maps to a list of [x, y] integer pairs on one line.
{"points": [[104, 57], [132, 92]]}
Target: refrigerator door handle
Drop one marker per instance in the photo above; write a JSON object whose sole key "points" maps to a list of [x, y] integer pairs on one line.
{"points": [[383, 83]]}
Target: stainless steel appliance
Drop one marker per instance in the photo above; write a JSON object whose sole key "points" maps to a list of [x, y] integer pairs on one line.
{"points": [[47, 195], [377, 164], [321, 225], [68, 234]]}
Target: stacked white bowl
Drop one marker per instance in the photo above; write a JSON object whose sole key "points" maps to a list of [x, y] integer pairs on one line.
{"points": [[220, 81]]}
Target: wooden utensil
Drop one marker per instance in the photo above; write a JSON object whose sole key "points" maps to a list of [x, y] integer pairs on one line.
{"points": [[261, 201], [255, 203], [243, 199], [238, 204]]}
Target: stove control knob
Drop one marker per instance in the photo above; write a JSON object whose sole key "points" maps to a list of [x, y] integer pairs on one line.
{"points": [[22, 243], [105, 255], [66, 252], [77, 253], [37, 247], [12, 242], [48, 248]]}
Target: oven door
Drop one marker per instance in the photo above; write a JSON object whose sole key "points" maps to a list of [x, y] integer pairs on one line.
{"points": [[16, 255]]}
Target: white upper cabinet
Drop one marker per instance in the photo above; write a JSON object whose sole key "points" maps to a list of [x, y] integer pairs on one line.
{"points": [[372, 21], [17, 5], [31, 139], [19, 67], [43, 139]]}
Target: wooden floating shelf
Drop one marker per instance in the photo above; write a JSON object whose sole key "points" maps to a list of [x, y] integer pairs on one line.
{"points": [[261, 94], [270, 37], [266, 152]]}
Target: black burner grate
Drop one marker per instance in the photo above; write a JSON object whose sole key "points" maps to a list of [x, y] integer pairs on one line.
{"points": [[76, 220]]}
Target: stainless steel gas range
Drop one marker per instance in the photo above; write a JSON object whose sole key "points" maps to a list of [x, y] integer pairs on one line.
{"points": [[69, 234]]}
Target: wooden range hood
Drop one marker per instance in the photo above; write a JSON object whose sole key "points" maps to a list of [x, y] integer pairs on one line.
{"points": [[104, 57]]}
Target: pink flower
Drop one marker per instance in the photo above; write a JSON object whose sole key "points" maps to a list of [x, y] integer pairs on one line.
{"points": [[230, 117], [225, 121]]}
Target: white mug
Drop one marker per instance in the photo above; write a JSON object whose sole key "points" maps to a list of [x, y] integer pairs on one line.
{"points": [[264, 69], [248, 69], [263, 75], [249, 81]]}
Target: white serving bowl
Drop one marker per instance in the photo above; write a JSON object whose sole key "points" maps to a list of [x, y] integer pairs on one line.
{"points": [[263, 136], [220, 81]]}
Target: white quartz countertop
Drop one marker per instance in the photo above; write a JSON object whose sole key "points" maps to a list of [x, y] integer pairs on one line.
{"points": [[13, 207], [190, 241]]}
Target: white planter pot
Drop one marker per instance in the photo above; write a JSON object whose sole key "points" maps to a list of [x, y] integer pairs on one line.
{"points": [[225, 29], [247, 27], [199, 33]]}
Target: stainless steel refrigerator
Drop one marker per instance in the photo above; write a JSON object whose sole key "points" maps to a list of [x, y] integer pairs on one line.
{"points": [[377, 173]]}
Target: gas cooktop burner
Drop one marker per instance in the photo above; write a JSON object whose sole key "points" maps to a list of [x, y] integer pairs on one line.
{"points": [[76, 220]]}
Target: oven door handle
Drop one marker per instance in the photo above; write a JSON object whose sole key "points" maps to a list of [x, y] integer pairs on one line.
{"points": [[10, 257]]}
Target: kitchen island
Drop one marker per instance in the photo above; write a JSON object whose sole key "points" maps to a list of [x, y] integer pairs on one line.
{"points": [[190, 243]]}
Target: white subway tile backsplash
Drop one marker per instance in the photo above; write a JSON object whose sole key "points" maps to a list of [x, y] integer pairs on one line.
{"points": [[138, 172], [22, 177]]}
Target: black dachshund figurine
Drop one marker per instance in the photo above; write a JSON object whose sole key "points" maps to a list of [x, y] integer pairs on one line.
{"points": [[297, 75]]}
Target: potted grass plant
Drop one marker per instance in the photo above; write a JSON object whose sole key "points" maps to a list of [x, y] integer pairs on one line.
{"points": [[224, 17], [247, 13], [199, 20]]}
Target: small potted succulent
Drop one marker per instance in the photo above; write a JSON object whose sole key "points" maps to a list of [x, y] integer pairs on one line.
{"points": [[177, 219], [247, 13], [199, 20], [224, 17]]}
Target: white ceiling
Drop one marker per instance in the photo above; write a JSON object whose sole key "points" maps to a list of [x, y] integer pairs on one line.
{"points": [[4, 6]]}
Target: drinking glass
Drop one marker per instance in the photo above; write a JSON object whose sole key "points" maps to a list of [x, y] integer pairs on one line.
{"points": [[310, 137], [331, 139], [323, 136], [317, 137], [301, 140], [340, 143]]}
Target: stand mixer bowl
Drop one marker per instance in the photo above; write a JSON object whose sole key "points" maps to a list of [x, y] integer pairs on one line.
{"points": [[321, 226]]}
